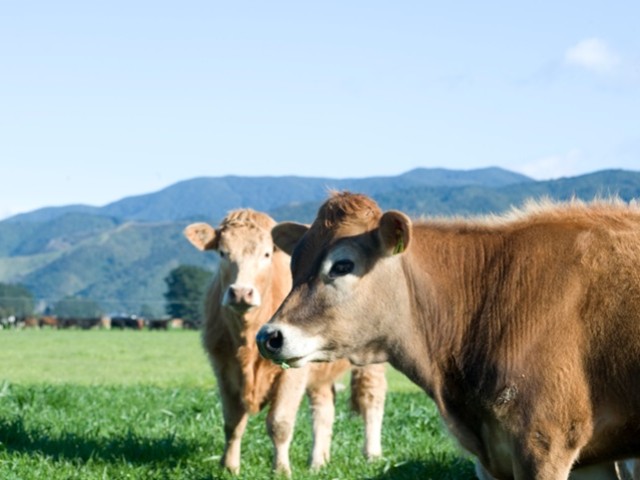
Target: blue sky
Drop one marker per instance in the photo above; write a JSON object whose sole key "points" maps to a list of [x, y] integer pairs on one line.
{"points": [[102, 100]]}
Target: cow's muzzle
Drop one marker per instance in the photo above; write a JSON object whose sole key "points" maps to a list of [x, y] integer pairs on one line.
{"points": [[241, 298], [289, 346]]}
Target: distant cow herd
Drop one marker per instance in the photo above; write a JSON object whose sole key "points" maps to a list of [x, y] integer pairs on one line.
{"points": [[104, 322]]}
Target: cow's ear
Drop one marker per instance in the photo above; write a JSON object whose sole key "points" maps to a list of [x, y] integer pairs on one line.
{"points": [[287, 234], [395, 232], [202, 236]]}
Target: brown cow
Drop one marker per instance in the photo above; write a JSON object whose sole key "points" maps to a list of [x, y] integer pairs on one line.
{"points": [[525, 329], [252, 280], [48, 321]]}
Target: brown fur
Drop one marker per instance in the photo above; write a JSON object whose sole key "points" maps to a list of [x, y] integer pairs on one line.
{"points": [[524, 329], [248, 382]]}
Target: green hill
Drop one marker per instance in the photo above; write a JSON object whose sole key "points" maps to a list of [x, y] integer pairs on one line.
{"points": [[121, 266], [119, 255]]}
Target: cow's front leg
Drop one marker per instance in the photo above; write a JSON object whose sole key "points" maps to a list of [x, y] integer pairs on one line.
{"points": [[322, 399], [541, 456], [282, 415], [368, 392], [235, 422]]}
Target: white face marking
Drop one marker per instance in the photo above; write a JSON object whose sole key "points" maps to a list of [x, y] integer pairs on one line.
{"points": [[298, 348], [342, 267]]}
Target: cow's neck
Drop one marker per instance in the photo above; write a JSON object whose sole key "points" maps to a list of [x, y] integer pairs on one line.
{"points": [[409, 341], [449, 275], [244, 327]]}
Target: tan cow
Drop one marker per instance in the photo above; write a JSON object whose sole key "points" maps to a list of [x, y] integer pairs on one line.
{"points": [[252, 281], [525, 329]]}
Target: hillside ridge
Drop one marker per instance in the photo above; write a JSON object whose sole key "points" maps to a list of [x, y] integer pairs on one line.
{"points": [[120, 254]]}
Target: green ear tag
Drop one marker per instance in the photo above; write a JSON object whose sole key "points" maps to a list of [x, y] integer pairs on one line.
{"points": [[399, 248]]}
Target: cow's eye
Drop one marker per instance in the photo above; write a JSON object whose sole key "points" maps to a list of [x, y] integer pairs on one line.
{"points": [[267, 255], [341, 267]]}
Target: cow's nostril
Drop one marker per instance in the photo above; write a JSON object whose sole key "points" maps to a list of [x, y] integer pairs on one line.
{"points": [[233, 294], [274, 341]]}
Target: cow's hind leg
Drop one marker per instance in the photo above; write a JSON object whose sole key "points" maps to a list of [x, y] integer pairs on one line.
{"points": [[235, 422], [368, 392], [282, 415], [322, 399]]}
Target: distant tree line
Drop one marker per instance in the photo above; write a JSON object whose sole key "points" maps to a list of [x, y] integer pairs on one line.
{"points": [[186, 287], [15, 300]]}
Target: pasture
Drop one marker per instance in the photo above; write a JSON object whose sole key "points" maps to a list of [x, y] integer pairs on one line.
{"points": [[143, 404]]}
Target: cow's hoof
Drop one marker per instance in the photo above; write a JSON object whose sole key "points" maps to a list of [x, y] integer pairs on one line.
{"points": [[283, 470]]}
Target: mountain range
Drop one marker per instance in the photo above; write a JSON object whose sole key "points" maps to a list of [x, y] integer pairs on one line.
{"points": [[120, 253], [212, 197]]}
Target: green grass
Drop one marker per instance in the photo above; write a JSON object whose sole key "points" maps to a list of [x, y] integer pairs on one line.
{"points": [[104, 357], [143, 405]]}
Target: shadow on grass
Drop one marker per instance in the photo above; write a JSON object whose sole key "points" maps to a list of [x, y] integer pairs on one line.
{"points": [[131, 448], [428, 470]]}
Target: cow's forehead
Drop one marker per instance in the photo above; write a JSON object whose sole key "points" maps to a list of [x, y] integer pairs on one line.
{"points": [[245, 230], [243, 237], [248, 216], [343, 215], [344, 211]]}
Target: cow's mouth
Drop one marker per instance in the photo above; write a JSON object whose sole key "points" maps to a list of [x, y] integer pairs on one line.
{"points": [[294, 362], [240, 307], [291, 362]]}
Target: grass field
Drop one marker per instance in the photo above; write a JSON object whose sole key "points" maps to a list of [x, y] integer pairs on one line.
{"points": [[143, 405]]}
